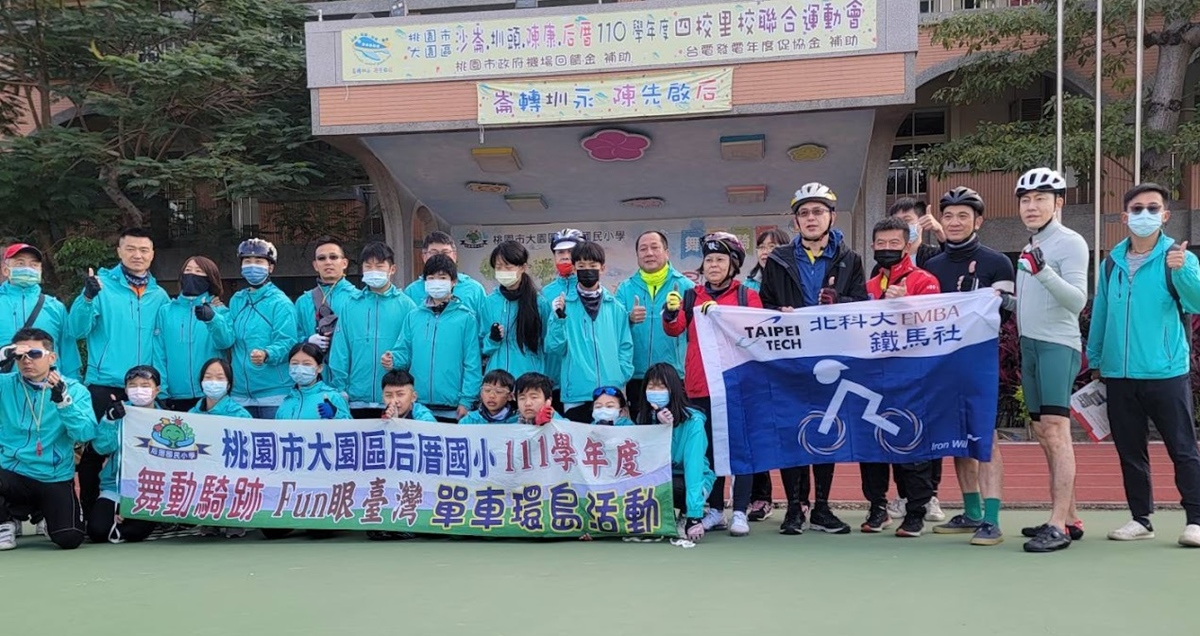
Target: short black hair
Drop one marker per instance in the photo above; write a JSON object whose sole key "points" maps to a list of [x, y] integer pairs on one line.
{"points": [[397, 377], [144, 371], [1143, 188], [437, 238], [311, 349], [662, 236], [327, 240], [889, 224], [904, 204], [135, 232], [534, 380], [377, 251], [619, 394], [587, 251], [33, 333], [501, 377], [225, 366], [440, 264]]}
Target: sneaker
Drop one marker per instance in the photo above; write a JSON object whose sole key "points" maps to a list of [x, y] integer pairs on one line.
{"points": [[207, 531], [1050, 539], [713, 520], [20, 532], [824, 520], [235, 533], [739, 525], [897, 508], [40, 528], [933, 511], [877, 521], [1075, 530], [8, 535], [911, 527], [385, 535], [793, 521], [987, 534], [760, 510], [958, 524], [1191, 536], [1132, 531]]}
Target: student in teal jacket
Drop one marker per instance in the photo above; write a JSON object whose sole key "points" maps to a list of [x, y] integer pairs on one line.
{"points": [[264, 329], [216, 381], [610, 407], [310, 398], [401, 398], [190, 329], [19, 294], [497, 402], [319, 310], [589, 329], [439, 345], [561, 243], [368, 326], [142, 386], [514, 315], [468, 290]]}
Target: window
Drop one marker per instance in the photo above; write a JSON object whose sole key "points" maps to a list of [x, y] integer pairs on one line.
{"points": [[181, 211], [920, 130]]}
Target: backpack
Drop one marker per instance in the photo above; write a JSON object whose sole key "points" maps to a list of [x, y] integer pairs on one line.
{"points": [[1184, 317], [689, 300]]}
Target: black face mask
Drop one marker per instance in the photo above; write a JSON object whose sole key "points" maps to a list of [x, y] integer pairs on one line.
{"points": [[888, 258], [588, 277], [193, 285]]}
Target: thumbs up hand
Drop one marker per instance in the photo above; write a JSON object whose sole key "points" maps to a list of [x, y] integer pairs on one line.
{"points": [[91, 285], [326, 409], [674, 301], [638, 314], [1177, 256], [968, 281], [204, 312], [829, 295]]}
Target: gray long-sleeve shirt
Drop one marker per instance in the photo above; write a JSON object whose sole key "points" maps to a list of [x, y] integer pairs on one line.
{"points": [[1048, 304]]}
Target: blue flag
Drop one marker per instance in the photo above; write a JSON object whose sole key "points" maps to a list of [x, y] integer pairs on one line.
{"points": [[894, 381]]}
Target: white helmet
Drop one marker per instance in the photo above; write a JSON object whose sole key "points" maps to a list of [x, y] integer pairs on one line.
{"points": [[565, 239], [814, 192], [1041, 180], [256, 247]]}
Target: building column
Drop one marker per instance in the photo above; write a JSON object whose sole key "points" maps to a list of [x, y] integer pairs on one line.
{"points": [[871, 206]]}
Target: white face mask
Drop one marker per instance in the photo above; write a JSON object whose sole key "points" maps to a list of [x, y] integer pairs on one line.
{"points": [[507, 278], [375, 279], [602, 414], [215, 389], [140, 395], [438, 289]]}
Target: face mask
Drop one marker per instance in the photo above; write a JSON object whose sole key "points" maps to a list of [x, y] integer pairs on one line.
{"points": [[438, 289], [255, 274], [507, 278], [375, 279], [588, 277], [1145, 224], [914, 231], [564, 269], [605, 414], [215, 389], [888, 258], [658, 398], [302, 375], [140, 395], [25, 276], [192, 285]]}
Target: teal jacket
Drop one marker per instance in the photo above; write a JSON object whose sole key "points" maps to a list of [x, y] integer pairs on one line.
{"points": [[477, 417], [108, 442], [182, 344], [689, 448], [368, 326], [420, 414], [226, 407], [60, 429], [15, 305], [118, 326], [301, 403], [560, 285], [1136, 332], [596, 352], [264, 319], [441, 351], [306, 310], [506, 354], [753, 283], [467, 289], [651, 344]]}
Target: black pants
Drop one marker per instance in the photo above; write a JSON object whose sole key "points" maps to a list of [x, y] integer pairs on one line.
{"points": [[366, 414], [936, 472], [916, 478], [581, 413], [56, 500], [1131, 403], [796, 483], [635, 392], [92, 462], [762, 488], [102, 526], [180, 405]]}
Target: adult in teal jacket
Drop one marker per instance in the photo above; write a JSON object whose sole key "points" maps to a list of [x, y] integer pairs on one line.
{"points": [[468, 290], [589, 330], [142, 386], [42, 416], [264, 330], [644, 295], [192, 328], [514, 315], [1138, 344], [439, 345], [561, 243], [115, 314], [19, 294], [320, 309], [310, 398], [368, 326]]}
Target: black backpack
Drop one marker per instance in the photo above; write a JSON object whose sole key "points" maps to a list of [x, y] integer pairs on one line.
{"points": [[1184, 316]]}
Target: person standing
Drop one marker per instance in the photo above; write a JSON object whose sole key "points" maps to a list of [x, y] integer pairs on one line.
{"points": [[561, 244], [318, 309], [514, 316], [192, 328], [468, 290], [264, 330], [1139, 345], [24, 304]]}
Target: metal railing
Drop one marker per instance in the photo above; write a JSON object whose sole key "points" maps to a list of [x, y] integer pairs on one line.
{"points": [[947, 6]]}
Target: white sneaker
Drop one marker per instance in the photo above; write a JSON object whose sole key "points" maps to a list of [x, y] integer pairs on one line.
{"points": [[41, 528], [896, 508], [739, 526], [933, 511], [20, 530], [713, 520], [1190, 537], [8, 535], [1132, 531]]}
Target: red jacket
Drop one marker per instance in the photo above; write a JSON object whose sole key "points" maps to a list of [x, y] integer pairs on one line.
{"points": [[694, 381], [916, 281]]}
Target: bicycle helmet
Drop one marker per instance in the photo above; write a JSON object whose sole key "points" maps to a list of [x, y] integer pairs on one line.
{"points": [[963, 195], [257, 247], [1041, 180], [565, 239], [814, 192], [728, 244]]}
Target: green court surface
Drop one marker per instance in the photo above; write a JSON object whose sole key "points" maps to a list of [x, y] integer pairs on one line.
{"points": [[766, 583]]}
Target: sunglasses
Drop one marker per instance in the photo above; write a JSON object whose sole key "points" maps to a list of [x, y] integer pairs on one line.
{"points": [[1153, 209], [32, 354], [606, 390]]}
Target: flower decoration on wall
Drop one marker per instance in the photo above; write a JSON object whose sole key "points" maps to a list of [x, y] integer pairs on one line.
{"points": [[615, 145]]}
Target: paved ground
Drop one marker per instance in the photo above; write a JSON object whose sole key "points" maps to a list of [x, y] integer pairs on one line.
{"points": [[814, 584]]}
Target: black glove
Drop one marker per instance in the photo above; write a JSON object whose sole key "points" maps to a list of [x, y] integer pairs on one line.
{"points": [[1032, 261], [561, 312], [495, 333], [828, 296], [91, 287], [115, 412], [58, 392], [205, 313]]}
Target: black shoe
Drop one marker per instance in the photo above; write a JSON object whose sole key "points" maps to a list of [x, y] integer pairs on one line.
{"points": [[987, 534], [912, 526], [877, 521], [958, 524], [1049, 539], [384, 535], [793, 521], [824, 520], [1073, 529]]}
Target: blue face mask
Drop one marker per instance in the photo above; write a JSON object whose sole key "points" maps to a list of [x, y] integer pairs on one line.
{"points": [[255, 274], [302, 375], [438, 289], [914, 231], [214, 389], [658, 398], [1145, 224], [25, 276], [375, 279]]}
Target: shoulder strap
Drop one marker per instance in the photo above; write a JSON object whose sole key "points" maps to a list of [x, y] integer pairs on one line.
{"points": [[743, 296], [318, 297], [1109, 264], [37, 309], [689, 303]]}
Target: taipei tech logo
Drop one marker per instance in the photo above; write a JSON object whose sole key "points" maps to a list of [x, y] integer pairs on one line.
{"points": [[172, 438]]}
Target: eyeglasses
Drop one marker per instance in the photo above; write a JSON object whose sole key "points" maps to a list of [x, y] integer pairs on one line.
{"points": [[606, 390], [811, 212], [329, 257], [487, 390], [32, 354], [445, 252], [1152, 209]]}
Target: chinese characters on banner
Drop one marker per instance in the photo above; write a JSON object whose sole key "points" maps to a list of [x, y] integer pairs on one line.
{"points": [[663, 36], [563, 479], [651, 95]]}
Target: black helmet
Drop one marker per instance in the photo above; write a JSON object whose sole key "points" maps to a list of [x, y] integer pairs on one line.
{"points": [[728, 244], [963, 195]]}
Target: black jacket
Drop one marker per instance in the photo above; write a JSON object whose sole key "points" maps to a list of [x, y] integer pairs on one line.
{"points": [[781, 286]]}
